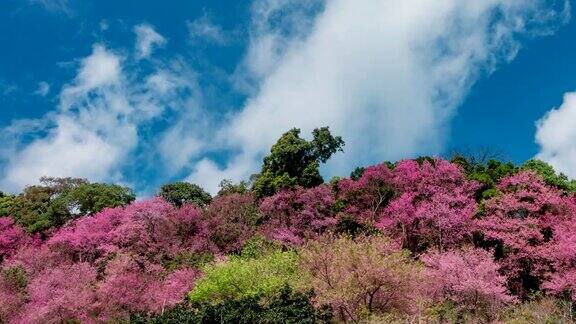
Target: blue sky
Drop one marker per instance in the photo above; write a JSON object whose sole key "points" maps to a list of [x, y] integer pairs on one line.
{"points": [[147, 92]]}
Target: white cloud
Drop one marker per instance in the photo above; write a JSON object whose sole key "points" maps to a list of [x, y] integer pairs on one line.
{"points": [[386, 75], [96, 128], [69, 150], [146, 40], [203, 29], [556, 136], [43, 89]]}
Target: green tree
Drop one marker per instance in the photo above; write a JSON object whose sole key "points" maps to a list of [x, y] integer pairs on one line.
{"points": [[547, 172], [90, 198], [57, 200], [6, 201], [39, 208], [228, 187], [180, 193], [487, 173], [294, 161]]}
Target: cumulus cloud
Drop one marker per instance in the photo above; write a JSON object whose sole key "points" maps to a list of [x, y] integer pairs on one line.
{"points": [[146, 40], [386, 75], [556, 136]]}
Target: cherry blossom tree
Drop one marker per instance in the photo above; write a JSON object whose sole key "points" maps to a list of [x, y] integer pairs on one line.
{"points": [[293, 215], [365, 275], [519, 223], [469, 279]]}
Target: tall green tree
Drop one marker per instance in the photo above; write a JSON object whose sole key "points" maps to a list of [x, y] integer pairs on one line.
{"points": [[294, 161], [180, 193]]}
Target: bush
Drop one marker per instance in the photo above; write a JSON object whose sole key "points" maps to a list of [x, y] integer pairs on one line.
{"points": [[246, 278], [283, 306], [359, 277]]}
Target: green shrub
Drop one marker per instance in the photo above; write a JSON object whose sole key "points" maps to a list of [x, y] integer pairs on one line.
{"points": [[258, 246], [242, 278]]}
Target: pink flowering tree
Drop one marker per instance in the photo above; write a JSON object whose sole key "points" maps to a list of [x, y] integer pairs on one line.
{"points": [[11, 238], [231, 219], [519, 223], [152, 228], [469, 279], [365, 198], [362, 276], [107, 266], [61, 294], [294, 215], [133, 285], [562, 251], [433, 207]]}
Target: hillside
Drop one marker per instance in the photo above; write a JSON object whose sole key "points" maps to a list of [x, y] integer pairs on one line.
{"points": [[425, 239]]}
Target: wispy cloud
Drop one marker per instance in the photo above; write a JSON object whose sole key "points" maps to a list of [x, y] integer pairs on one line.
{"points": [[7, 88], [43, 89], [146, 40], [386, 75], [62, 6], [204, 30]]}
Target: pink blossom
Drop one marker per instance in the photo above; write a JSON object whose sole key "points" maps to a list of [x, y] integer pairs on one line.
{"points": [[469, 278]]}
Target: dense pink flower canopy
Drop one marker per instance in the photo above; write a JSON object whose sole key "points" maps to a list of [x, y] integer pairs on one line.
{"points": [[107, 266], [469, 278], [481, 254], [526, 220]]}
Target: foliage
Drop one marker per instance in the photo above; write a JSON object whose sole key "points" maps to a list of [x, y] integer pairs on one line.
{"points": [[6, 201], [227, 187], [257, 246], [284, 306], [539, 309], [180, 193], [294, 161], [487, 174], [357, 173], [246, 278], [361, 276], [475, 240], [91, 198], [59, 200]]}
